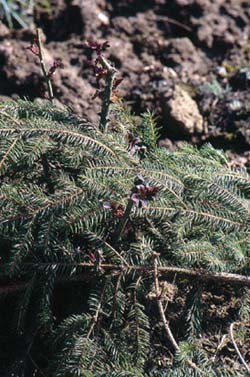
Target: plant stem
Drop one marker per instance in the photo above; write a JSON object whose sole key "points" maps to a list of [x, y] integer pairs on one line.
{"points": [[123, 222], [43, 66], [107, 94]]}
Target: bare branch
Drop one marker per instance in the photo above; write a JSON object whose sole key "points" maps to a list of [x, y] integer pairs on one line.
{"points": [[223, 277], [236, 347]]}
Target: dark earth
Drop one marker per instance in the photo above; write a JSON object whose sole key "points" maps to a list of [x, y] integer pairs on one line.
{"points": [[186, 60]]}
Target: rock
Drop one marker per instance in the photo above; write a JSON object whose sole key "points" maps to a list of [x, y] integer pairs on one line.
{"points": [[184, 113]]}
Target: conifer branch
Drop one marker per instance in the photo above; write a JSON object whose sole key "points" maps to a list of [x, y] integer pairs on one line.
{"points": [[8, 116], [8, 152], [59, 133], [61, 217]]}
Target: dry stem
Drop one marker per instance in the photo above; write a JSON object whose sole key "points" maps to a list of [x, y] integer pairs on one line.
{"points": [[236, 347]]}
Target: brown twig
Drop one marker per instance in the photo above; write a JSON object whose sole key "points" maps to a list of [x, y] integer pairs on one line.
{"points": [[174, 22], [163, 317], [222, 277]]}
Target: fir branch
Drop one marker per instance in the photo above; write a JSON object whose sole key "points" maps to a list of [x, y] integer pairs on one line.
{"points": [[8, 116], [6, 155], [200, 216], [55, 226], [144, 171], [58, 134]]}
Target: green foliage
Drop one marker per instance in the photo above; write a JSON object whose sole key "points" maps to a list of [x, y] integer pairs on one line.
{"points": [[20, 12], [213, 87], [57, 173]]}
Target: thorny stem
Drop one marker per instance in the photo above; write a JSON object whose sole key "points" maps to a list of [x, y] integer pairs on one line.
{"points": [[123, 222], [163, 317], [107, 94], [236, 347], [43, 66]]}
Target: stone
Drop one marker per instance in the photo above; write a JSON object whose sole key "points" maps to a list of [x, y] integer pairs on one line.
{"points": [[184, 112]]}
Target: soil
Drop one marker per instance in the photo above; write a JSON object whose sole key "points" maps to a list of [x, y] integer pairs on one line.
{"points": [[201, 46]]}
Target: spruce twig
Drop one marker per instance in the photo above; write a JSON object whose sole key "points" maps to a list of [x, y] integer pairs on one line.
{"points": [[43, 66], [107, 93], [237, 348]]}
